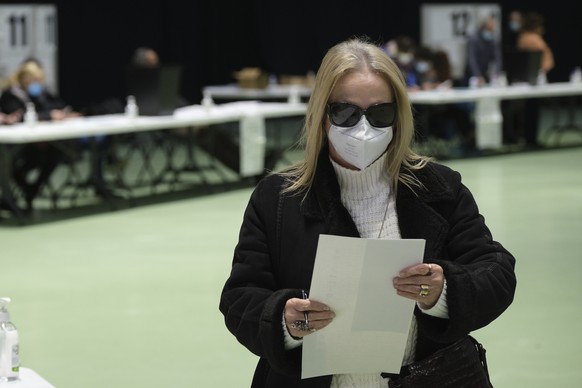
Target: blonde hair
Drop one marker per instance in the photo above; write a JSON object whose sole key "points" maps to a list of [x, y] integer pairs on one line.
{"points": [[27, 70], [357, 55]]}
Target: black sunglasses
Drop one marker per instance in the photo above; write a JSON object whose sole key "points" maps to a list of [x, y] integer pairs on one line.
{"points": [[344, 114]]}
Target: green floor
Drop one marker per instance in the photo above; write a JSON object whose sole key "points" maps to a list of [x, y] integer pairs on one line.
{"points": [[129, 298]]}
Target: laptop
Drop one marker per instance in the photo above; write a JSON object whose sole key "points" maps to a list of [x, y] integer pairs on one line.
{"points": [[156, 90]]}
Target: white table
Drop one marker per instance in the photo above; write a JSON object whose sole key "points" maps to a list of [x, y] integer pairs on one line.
{"points": [[488, 118], [27, 379], [250, 115], [233, 92]]}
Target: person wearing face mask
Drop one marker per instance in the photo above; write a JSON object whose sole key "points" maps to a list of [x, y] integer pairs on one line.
{"points": [[27, 85], [361, 178], [513, 28], [484, 58], [405, 59]]}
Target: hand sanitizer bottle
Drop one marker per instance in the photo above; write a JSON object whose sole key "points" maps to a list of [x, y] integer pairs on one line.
{"points": [[30, 116], [131, 109], [9, 348]]}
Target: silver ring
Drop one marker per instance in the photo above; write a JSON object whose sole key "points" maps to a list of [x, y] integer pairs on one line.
{"points": [[429, 270], [300, 325]]}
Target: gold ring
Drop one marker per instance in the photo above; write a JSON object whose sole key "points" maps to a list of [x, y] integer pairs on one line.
{"points": [[424, 291]]}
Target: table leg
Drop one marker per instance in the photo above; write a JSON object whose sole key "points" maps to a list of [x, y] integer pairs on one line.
{"points": [[488, 123], [7, 197]]}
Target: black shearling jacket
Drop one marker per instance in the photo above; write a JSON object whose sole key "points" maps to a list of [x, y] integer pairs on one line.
{"points": [[274, 259]]}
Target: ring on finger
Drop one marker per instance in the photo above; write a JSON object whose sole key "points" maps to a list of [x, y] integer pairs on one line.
{"points": [[301, 325], [424, 290], [429, 270]]}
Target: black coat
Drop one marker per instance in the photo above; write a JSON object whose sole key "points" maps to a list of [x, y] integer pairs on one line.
{"points": [[12, 100], [274, 260]]}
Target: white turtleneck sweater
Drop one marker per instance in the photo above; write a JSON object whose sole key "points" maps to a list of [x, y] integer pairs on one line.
{"points": [[367, 196]]}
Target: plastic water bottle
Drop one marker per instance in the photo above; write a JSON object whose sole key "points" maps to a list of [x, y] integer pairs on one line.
{"points": [[9, 345], [294, 97], [473, 82], [542, 79], [207, 100], [576, 75], [131, 109], [30, 116], [501, 80]]}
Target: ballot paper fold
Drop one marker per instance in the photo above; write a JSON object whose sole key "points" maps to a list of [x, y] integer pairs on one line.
{"points": [[354, 277]]}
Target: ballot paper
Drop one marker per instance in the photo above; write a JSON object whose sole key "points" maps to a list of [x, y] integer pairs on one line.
{"points": [[353, 276]]}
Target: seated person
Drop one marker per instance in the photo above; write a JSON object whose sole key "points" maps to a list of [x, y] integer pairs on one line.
{"points": [[447, 121], [405, 50], [27, 85], [145, 57]]}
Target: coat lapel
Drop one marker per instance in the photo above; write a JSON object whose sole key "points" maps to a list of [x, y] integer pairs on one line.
{"points": [[324, 201], [417, 218]]}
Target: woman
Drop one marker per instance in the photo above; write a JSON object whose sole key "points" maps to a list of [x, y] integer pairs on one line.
{"points": [[531, 39], [27, 85], [373, 187]]}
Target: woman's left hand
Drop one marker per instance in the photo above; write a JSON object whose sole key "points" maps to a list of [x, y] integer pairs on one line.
{"points": [[422, 283]]}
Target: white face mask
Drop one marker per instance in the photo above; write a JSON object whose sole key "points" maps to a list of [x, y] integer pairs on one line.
{"points": [[361, 144], [405, 58]]}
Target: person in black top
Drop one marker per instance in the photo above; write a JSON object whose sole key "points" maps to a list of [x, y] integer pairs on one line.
{"points": [[27, 85], [484, 52]]}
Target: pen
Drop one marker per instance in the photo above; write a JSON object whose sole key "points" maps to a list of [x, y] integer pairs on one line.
{"points": [[305, 313]]}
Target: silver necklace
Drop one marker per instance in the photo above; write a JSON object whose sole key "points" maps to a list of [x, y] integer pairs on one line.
{"points": [[384, 218]]}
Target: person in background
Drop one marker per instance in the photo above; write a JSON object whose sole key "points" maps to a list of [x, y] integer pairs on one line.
{"points": [[27, 85], [424, 67], [12, 118], [514, 23], [450, 122], [531, 39], [433, 68], [405, 59], [145, 57], [484, 53], [361, 178]]}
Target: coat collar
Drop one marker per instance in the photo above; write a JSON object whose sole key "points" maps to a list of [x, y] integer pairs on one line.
{"points": [[323, 202]]}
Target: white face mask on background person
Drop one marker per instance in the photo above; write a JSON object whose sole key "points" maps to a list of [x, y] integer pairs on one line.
{"points": [[361, 144], [405, 58]]}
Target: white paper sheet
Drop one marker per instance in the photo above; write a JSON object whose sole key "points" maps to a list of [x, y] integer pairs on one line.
{"points": [[353, 276]]}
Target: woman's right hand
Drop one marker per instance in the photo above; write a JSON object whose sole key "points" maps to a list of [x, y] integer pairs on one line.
{"points": [[318, 315]]}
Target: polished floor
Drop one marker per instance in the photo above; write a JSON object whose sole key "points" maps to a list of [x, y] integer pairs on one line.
{"points": [[130, 298]]}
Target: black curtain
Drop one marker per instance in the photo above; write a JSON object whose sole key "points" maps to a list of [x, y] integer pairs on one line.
{"points": [[212, 39]]}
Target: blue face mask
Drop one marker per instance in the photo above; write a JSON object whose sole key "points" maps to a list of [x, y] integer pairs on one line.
{"points": [[514, 26], [35, 89], [487, 35]]}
